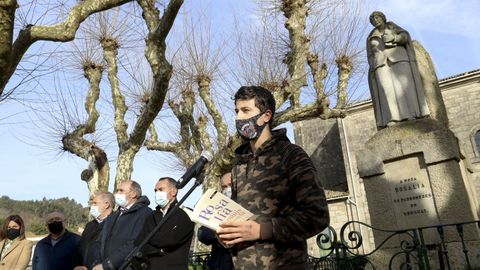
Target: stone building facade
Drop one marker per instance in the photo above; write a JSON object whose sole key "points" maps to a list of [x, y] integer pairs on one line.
{"points": [[333, 146]]}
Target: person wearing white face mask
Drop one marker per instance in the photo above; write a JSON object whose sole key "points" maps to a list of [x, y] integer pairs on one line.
{"points": [[169, 247], [220, 257], [102, 205], [122, 227]]}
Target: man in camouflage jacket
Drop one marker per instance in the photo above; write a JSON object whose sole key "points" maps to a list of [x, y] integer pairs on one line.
{"points": [[276, 181]]}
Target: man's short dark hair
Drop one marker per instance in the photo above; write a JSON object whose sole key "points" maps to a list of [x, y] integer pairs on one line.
{"points": [[171, 182], [263, 98]]}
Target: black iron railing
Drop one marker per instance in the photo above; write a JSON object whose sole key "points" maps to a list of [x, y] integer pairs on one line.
{"points": [[199, 260], [407, 249]]}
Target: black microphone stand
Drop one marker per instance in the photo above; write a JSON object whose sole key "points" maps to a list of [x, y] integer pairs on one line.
{"points": [[136, 251]]}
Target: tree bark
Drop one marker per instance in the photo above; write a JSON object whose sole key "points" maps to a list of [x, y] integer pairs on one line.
{"points": [[7, 22], [344, 65], [220, 126], [97, 175], [296, 13]]}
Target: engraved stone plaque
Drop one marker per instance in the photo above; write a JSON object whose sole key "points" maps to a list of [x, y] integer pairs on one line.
{"points": [[411, 193]]}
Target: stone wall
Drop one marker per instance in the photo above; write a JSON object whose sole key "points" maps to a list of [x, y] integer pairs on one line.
{"points": [[326, 153], [461, 95]]}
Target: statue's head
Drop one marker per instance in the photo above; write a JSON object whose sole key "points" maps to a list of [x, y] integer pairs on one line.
{"points": [[377, 18]]}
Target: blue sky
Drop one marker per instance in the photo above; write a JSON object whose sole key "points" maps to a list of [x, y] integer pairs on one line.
{"points": [[445, 28]]}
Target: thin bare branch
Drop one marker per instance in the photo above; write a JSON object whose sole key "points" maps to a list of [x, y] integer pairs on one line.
{"points": [[61, 32]]}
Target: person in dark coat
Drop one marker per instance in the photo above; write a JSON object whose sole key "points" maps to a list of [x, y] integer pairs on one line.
{"points": [[122, 227], [57, 250], [170, 246], [220, 256], [102, 205]]}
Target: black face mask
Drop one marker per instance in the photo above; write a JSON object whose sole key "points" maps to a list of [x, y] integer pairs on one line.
{"points": [[55, 227], [13, 233], [248, 128]]}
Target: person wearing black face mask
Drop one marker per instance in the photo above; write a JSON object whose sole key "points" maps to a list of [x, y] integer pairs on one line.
{"points": [[57, 250], [276, 181], [15, 250]]}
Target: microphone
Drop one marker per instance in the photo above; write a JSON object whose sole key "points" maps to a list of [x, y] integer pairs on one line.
{"points": [[195, 169]]}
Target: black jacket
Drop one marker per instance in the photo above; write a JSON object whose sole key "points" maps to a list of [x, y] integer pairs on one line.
{"points": [[87, 243], [220, 257], [170, 246], [119, 232]]}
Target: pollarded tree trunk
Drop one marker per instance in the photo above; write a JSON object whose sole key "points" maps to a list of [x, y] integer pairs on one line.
{"points": [[295, 12], [97, 175], [7, 21], [125, 165]]}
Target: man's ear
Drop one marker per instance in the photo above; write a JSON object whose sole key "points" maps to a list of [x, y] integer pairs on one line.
{"points": [[267, 116]]}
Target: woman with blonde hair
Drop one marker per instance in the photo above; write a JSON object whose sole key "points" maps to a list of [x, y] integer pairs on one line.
{"points": [[15, 250]]}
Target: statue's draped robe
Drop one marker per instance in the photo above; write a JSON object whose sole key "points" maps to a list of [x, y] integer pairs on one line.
{"points": [[395, 84]]}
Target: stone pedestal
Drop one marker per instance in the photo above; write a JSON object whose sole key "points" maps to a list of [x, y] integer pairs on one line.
{"points": [[414, 176]]}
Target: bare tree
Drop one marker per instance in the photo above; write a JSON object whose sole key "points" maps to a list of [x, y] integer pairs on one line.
{"points": [[129, 143]]}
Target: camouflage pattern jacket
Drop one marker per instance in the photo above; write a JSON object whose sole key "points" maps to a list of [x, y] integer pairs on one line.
{"points": [[278, 184]]}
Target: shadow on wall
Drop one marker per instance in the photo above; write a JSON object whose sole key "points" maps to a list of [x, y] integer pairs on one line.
{"points": [[328, 160]]}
